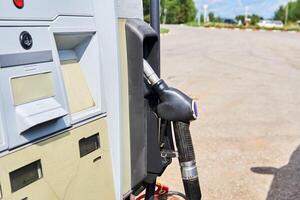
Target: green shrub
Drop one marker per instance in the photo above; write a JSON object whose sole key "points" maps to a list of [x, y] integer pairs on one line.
{"points": [[254, 27], [164, 30]]}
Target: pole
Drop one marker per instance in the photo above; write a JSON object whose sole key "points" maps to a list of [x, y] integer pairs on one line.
{"points": [[154, 15], [246, 15], [205, 13], [165, 15], [155, 22], [198, 16], [287, 13]]}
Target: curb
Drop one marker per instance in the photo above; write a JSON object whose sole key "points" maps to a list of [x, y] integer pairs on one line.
{"points": [[252, 30]]}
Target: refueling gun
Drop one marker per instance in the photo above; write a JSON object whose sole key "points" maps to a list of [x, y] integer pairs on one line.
{"points": [[177, 107]]}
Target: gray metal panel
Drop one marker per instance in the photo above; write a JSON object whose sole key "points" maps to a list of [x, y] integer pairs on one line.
{"points": [[82, 45], [106, 25], [10, 39], [130, 9], [17, 62], [75, 16], [25, 58], [15, 138], [70, 40], [45, 9]]}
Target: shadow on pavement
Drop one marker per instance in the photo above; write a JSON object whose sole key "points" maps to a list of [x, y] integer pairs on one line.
{"points": [[286, 181]]}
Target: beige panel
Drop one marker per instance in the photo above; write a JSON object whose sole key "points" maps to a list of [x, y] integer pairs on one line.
{"points": [[65, 175], [30, 88], [79, 95], [125, 106]]}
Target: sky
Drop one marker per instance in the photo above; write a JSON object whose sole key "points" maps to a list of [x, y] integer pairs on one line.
{"points": [[231, 8]]}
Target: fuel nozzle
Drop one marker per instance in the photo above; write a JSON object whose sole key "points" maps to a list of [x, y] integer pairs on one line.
{"points": [[175, 105]]}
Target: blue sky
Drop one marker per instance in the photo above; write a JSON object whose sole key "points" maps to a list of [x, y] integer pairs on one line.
{"points": [[231, 8]]}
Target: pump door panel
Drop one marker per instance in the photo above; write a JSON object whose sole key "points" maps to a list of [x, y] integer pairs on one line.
{"points": [[44, 9]]}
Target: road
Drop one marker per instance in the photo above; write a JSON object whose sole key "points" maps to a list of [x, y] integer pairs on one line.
{"points": [[247, 85]]}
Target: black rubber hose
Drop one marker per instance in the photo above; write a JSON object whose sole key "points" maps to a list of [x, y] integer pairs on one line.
{"points": [[150, 191], [187, 161], [192, 189]]}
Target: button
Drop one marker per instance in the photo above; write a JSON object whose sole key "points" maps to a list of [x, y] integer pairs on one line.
{"points": [[26, 40], [19, 3]]}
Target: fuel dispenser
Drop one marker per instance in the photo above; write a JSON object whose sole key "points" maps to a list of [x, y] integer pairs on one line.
{"points": [[151, 147], [54, 130], [83, 113]]}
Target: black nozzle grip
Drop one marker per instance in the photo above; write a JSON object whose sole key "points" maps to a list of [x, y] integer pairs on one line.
{"points": [[184, 142], [174, 105]]}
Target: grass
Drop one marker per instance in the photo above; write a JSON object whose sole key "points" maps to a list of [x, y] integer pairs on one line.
{"points": [[164, 30], [193, 23], [290, 27]]}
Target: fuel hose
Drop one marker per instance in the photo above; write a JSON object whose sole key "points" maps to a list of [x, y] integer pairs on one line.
{"points": [[187, 161]]}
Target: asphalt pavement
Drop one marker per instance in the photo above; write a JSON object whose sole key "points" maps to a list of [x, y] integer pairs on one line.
{"points": [[247, 84]]}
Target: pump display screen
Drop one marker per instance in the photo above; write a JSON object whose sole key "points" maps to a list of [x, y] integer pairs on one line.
{"points": [[30, 88]]}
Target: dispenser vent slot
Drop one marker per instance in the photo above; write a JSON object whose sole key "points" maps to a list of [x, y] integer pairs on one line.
{"points": [[26, 175], [88, 145]]}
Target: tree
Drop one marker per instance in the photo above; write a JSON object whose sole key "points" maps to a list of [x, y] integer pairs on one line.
{"points": [[294, 12], [201, 18], [213, 18], [146, 5], [174, 11], [255, 19], [187, 11], [280, 14], [240, 18]]}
